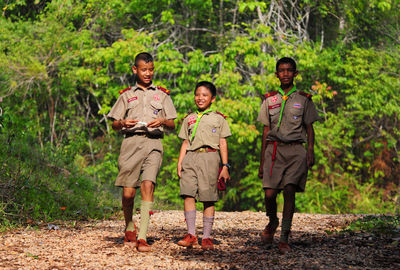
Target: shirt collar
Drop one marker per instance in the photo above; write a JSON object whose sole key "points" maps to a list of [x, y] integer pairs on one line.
{"points": [[151, 87]]}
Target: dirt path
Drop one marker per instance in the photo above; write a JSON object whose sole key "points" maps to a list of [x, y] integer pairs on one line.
{"points": [[99, 245]]}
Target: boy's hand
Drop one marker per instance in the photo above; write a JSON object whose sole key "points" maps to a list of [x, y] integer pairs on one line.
{"points": [[128, 123], [179, 169], [224, 174], [156, 123]]}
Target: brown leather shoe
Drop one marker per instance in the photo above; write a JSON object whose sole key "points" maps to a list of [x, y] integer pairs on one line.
{"points": [[188, 241], [207, 243], [130, 238], [284, 248], [142, 246], [267, 236]]}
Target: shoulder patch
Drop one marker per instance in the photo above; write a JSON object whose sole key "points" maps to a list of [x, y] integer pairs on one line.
{"points": [[307, 95], [164, 90], [224, 116], [270, 94], [126, 89]]}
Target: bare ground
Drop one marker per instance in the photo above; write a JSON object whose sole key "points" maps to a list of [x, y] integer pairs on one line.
{"points": [[99, 245]]}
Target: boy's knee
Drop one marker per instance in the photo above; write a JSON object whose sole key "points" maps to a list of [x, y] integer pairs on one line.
{"points": [[289, 190], [128, 193]]}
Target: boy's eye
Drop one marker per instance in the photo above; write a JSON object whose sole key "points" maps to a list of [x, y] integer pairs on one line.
{"points": [[286, 69]]}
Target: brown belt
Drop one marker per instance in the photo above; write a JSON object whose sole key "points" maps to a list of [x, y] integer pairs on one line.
{"points": [[205, 150], [276, 143]]}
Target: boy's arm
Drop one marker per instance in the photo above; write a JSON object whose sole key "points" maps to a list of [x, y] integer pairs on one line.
{"points": [[263, 147], [168, 123], [182, 154], [310, 147], [119, 124], [223, 148]]}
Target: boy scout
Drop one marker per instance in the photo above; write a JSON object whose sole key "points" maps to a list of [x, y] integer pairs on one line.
{"points": [[141, 112], [204, 146], [288, 117]]}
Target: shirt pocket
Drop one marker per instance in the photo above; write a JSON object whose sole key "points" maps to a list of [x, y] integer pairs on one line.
{"points": [[133, 110], [296, 115], [211, 133], [274, 115], [155, 108]]}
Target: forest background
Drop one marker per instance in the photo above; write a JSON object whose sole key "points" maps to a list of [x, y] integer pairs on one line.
{"points": [[63, 62]]}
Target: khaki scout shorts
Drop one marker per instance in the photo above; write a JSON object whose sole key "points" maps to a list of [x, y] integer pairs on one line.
{"points": [[139, 155], [290, 167], [200, 176]]}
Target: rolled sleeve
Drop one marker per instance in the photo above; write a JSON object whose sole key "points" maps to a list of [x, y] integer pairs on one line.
{"points": [[225, 130], [169, 109], [117, 112], [310, 114], [183, 133], [263, 114]]}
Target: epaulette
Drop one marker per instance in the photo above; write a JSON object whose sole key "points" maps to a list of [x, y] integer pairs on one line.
{"points": [[224, 116], [270, 94], [123, 91], [164, 90], [307, 95], [187, 115]]}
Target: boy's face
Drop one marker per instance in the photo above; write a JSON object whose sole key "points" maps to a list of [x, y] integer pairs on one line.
{"points": [[203, 98], [286, 74], [144, 72]]}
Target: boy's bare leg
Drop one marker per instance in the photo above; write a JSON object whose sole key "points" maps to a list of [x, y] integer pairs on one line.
{"points": [[289, 196], [267, 235], [128, 197]]}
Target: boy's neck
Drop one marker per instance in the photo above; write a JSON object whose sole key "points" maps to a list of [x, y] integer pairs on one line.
{"points": [[143, 85], [203, 110], [287, 88]]}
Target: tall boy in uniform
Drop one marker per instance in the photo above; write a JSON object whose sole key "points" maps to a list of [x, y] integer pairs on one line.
{"points": [[288, 116], [204, 147], [141, 113]]}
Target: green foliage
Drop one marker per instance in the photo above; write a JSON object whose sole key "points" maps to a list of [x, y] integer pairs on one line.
{"points": [[386, 225], [62, 64]]}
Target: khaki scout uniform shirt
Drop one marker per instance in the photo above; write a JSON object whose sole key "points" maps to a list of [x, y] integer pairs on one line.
{"points": [[211, 128], [145, 106], [200, 170], [298, 111], [141, 155]]}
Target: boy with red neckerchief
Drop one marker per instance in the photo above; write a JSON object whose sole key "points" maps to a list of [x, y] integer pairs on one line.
{"points": [[288, 116]]}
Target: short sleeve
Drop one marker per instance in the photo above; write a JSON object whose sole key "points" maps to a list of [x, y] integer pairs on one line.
{"points": [[169, 109], [310, 113], [118, 110], [183, 133], [225, 130], [263, 113]]}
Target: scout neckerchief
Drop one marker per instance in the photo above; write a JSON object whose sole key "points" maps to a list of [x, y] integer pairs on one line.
{"points": [[199, 116], [275, 143], [284, 98]]}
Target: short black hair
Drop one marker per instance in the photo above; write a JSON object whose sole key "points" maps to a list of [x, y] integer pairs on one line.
{"points": [[210, 86], [286, 60], [146, 57]]}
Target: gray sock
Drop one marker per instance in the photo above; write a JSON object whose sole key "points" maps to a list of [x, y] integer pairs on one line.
{"points": [[207, 226], [286, 227], [190, 217]]}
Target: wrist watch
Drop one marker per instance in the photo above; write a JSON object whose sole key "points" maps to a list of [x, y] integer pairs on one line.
{"points": [[226, 165]]}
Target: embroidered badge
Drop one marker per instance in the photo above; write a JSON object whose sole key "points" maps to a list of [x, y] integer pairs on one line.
{"points": [[297, 105], [192, 119], [274, 99], [213, 130], [155, 112], [295, 117], [132, 99], [275, 106], [156, 97]]}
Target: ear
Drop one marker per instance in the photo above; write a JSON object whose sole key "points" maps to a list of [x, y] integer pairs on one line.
{"points": [[295, 74], [134, 69], [276, 74], [213, 99]]}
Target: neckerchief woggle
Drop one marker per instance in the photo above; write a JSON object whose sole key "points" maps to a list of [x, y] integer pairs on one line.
{"points": [[199, 116], [284, 98]]}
